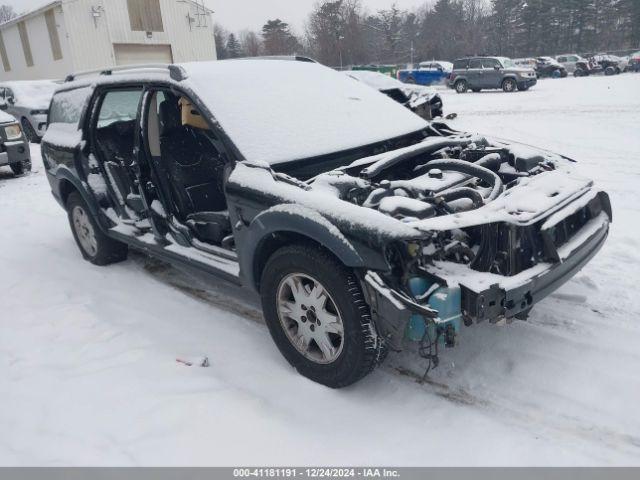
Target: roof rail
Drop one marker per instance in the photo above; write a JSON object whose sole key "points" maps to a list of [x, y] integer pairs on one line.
{"points": [[291, 58], [176, 72]]}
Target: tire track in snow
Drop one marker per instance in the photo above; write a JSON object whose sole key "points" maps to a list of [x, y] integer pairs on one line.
{"points": [[512, 411]]}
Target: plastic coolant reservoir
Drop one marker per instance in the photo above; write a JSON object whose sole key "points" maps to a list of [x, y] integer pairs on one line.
{"points": [[448, 303]]}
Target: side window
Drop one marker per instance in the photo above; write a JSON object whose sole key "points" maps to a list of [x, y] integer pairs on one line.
{"points": [[116, 125], [573, 59], [119, 106], [67, 106], [475, 63], [459, 64], [490, 63], [562, 59]]}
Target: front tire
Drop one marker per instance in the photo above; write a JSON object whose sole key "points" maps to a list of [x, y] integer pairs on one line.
{"points": [[94, 245], [21, 168], [461, 86], [509, 85], [317, 316]]}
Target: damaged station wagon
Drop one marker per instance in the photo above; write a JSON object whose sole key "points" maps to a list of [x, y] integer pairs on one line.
{"points": [[362, 226]]}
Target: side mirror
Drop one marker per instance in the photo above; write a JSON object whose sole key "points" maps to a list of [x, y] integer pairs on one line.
{"points": [[11, 101], [496, 67]]}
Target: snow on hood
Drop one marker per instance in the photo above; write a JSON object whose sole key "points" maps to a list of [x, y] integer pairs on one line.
{"points": [[6, 118], [277, 111], [33, 94]]}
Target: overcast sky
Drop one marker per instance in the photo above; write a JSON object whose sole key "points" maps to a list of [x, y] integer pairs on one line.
{"points": [[242, 14]]}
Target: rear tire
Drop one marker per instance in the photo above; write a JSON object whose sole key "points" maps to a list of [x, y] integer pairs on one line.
{"points": [[304, 290], [94, 245], [461, 86], [609, 71], [509, 85], [29, 131], [21, 168]]}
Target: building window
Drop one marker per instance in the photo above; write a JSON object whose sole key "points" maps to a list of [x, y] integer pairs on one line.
{"points": [[54, 38], [26, 46], [145, 15], [3, 54]]}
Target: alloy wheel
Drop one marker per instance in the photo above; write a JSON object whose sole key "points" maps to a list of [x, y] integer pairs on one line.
{"points": [[84, 230], [310, 318]]}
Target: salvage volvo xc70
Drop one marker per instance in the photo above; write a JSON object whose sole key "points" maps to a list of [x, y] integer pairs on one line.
{"points": [[362, 226]]}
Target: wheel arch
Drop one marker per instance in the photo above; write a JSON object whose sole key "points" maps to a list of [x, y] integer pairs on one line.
{"points": [[67, 183], [285, 225]]}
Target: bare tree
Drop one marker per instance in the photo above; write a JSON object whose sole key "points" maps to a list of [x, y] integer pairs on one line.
{"points": [[7, 13], [251, 43]]}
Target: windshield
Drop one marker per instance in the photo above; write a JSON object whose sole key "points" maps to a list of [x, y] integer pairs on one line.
{"points": [[507, 63], [277, 111]]}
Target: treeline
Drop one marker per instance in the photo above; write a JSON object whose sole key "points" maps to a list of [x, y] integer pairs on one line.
{"points": [[343, 32]]}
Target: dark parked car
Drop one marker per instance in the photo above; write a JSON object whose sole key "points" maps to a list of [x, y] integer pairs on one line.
{"points": [[547, 67], [362, 226], [421, 100], [480, 73], [14, 148]]}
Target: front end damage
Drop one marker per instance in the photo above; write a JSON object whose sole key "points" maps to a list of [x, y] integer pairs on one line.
{"points": [[501, 227]]}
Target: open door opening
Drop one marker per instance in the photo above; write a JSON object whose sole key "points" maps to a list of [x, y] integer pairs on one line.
{"points": [[190, 165]]}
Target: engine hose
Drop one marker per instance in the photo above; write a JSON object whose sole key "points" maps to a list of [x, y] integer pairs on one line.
{"points": [[463, 192], [427, 146], [493, 161], [467, 168]]}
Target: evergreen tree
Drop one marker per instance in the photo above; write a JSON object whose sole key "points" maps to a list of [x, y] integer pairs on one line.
{"points": [[278, 39], [234, 49]]}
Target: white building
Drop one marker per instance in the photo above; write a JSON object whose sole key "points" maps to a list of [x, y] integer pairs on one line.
{"points": [[67, 36]]}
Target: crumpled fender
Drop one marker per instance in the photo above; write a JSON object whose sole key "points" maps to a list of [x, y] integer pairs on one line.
{"points": [[297, 219]]}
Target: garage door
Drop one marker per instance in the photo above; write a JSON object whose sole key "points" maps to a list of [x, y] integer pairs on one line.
{"points": [[131, 54]]}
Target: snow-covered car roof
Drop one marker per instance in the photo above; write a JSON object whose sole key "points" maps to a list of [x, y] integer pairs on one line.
{"points": [[277, 111], [32, 93], [6, 118], [446, 66]]}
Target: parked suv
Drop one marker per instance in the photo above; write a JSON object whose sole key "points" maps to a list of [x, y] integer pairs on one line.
{"points": [[14, 148], [362, 226], [479, 73], [28, 101], [574, 63]]}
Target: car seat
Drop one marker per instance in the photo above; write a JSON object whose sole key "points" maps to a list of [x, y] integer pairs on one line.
{"points": [[195, 169]]}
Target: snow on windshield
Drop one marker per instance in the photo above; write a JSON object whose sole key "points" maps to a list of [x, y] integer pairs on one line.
{"points": [[507, 62], [36, 94], [379, 81], [276, 110]]}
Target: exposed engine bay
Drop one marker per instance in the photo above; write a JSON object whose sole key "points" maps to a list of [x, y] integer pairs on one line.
{"points": [[482, 206], [441, 177]]}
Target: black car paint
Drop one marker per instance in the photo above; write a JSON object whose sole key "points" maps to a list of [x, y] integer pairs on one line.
{"points": [[67, 170], [259, 228]]}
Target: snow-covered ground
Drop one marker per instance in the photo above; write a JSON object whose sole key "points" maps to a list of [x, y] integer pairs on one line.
{"points": [[88, 371]]}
